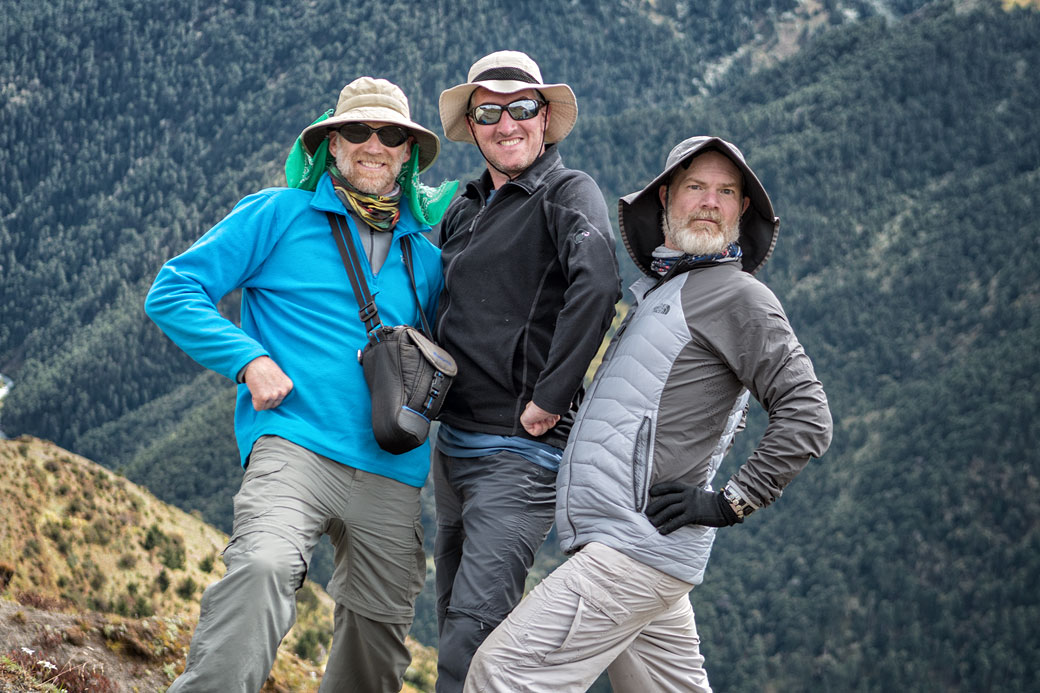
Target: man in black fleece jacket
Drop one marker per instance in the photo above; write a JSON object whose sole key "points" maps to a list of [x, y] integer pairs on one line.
{"points": [[530, 285]]}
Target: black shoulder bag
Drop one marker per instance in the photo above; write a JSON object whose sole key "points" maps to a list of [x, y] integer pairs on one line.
{"points": [[408, 375]]}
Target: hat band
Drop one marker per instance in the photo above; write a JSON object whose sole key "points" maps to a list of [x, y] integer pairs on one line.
{"points": [[505, 73]]}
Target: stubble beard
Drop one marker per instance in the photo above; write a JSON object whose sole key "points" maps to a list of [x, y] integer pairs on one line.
{"points": [[514, 170], [378, 182], [695, 236]]}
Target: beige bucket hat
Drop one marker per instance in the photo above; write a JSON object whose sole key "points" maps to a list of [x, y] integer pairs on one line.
{"points": [[374, 100], [639, 213], [505, 72]]}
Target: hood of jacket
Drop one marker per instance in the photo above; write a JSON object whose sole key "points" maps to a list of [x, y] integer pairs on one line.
{"points": [[640, 213]]}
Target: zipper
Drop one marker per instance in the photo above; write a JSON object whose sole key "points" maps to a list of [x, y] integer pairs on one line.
{"points": [[641, 464]]}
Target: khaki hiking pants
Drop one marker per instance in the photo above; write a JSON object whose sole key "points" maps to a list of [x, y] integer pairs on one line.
{"points": [[289, 497], [599, 610]]}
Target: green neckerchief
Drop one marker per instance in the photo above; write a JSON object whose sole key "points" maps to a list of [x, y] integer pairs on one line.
{"points": [[303, 170], [427, 204]]}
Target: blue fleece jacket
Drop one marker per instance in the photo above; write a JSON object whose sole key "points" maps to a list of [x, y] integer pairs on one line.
{"points": [[298, 308]]}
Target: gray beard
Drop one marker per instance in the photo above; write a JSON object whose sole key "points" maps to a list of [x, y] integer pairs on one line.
{"points": [[681, 235]]}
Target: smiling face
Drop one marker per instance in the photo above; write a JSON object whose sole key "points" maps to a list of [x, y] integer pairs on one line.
{"points": [[509, 146], [703, 205], [371, 166]]}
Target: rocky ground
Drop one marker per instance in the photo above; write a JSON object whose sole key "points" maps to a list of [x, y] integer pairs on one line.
{"points": [[87, 651]]}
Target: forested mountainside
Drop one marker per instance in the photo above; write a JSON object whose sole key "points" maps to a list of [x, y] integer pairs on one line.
{"points": [[899, 142]]}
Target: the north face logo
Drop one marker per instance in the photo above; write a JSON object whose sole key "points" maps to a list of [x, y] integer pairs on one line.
{"points": [[662, 308]]}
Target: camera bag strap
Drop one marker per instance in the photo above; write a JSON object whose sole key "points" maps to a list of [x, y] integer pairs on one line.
{"points": [[368, 313]]}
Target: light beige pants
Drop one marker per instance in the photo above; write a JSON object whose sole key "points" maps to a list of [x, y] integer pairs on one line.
{"points": [[599, 610]]}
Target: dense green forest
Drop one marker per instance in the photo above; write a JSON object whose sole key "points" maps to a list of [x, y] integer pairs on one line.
{"points": [[899, 141]]}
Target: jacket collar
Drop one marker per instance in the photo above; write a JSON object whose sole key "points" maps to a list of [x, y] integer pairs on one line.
{"points": [[529, 181], [326, 200], [645, 285]]}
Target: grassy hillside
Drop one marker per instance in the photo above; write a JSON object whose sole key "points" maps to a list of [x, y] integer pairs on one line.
{"points": [[102, 581]]}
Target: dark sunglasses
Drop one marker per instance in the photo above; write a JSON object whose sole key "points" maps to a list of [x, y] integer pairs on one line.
{"points": [[389, 135], [491, 113]]}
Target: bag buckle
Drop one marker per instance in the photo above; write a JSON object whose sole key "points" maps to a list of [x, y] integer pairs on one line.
{"points": [[368, 311]]}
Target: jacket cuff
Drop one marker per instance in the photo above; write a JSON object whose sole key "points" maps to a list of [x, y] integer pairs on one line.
{"points": [[739, 500]]}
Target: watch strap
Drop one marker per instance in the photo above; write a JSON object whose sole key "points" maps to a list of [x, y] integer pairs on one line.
{"points": [[741, 505]]}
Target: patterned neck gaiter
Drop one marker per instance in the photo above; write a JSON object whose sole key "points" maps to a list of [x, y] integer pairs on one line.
{"points": [[381, 212], [665, 258]]}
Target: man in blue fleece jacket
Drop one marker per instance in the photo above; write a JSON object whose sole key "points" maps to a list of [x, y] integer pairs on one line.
{"points": [[303, 418]]}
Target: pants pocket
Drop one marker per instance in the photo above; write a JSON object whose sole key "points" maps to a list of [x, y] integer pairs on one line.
{"points": [[597, 616]]}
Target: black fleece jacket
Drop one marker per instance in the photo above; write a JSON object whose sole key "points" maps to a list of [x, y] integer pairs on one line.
{"points": [[530, 283]]}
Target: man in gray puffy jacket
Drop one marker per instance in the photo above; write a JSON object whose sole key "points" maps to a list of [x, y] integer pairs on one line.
{"points": [[635, 502]]}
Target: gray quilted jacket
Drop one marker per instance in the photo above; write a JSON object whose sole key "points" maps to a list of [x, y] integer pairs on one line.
{"points": [[666, 403]]}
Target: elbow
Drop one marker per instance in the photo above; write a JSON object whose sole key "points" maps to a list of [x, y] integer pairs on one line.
{"points": [[156, 302], [607, 292], [825, 431], [152, 303]]}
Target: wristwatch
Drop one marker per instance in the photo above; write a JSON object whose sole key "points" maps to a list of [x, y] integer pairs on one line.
{"points": [[741, 506]]}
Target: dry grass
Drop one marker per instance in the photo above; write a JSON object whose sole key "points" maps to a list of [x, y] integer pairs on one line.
{"points": [[98, 577]]}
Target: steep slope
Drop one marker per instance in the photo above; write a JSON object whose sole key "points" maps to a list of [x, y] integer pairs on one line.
{"points": [[102, 581]]}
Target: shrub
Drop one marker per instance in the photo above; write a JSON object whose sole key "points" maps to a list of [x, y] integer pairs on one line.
{"points": [[187, 587], [143, 608], [6, 573], [173, 555], [58, 534], [171, 549], [154, 537], [312, 645], [99, 532], [306, 599]]}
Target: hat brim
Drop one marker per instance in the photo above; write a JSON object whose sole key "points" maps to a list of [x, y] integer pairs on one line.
{"points": [[429, 144], [640, 214], [453, 103]]}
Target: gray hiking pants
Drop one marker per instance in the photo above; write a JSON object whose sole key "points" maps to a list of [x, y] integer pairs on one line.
{"points": [[289, 497], [493, 513]]}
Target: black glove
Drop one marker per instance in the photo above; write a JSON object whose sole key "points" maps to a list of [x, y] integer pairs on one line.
{"points": [[673, 504]]}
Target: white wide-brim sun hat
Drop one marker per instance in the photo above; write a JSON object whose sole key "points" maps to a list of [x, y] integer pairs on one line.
{"points": [[506, 72]]}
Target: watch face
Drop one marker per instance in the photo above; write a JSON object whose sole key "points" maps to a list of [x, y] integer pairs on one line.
{"points": [[740, 506]]}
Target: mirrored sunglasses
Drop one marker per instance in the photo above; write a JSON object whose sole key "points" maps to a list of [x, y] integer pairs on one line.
{"points": [[491, 113], [389, 135]]}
